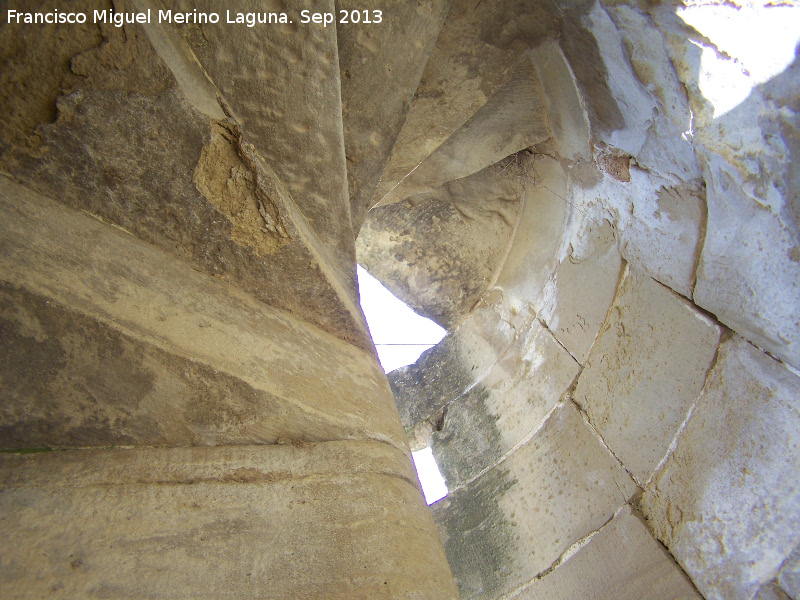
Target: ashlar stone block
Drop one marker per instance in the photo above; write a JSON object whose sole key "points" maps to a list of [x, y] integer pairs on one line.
{"points": [[622, 561], [726, 502], [518, 518], [506, 406], [582, 292], [645, 372]]}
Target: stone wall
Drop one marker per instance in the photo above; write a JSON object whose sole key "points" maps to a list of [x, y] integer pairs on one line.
{"points": [[619, 417], [191, 404]]}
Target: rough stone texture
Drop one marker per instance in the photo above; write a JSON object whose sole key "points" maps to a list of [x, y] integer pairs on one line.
{"points": [[230, 316], [515, 520], [93, 56], [771, 591], [581, 293], [167, 147], [645, 372], [72, 381], [565, 106], [748, 274], [790, 575], [726, 502], [380, 69], [533, 253], [218, 523], [621, 561], [281, 84], [667, 149], [659, 224], [756, 297], [476, 53], [513, 119], [157, 306], [508, 404], [466, 226], [453, 366]]}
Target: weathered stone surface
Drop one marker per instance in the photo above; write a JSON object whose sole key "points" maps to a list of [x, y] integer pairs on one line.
{"points": [[513, 119], [790, 575], [621, 561], [746, 138], [515, 520], [667, 150], [749, 273], [174, 145], [771, 591], [72, 381], [533, 252], [117, 166], [438, 252], [453, 366], [645, 372], [566, 112], [726, 501], [665, 232], [507, 405], [156, 306], [281, 85], [40, 64], [636, 106], [659, 224], [381, 66], [475, 54], [218, 523], [583, 288]]}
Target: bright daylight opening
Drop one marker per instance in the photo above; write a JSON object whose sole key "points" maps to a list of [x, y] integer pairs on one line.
{"points": [[753, 43], [400, 335], [433, 485]]}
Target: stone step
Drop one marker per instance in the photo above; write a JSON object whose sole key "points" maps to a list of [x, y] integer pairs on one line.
{"points": [[514, 118], [110, 340], [220, 144], [381, 65], [477, 52], [332, 520]]}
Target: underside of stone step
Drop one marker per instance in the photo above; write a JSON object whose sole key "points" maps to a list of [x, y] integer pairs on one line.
{"points": [[597, 200], [380, 70]]}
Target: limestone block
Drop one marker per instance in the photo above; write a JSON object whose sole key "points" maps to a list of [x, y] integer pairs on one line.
{"points": [[580, 295], [453, 366], [127, 298], [749, 273], [70, 142], [771, 591], [282, 86], [533, 253], [645, 372], [116, 169], [746, 139], [621, 561], [636, 105], [438, 252], [337, 520], [565, 107], [513, 119], [503, 409], [663, 233], [380, 69], [476, 53], [514, 521], [790, 575], [726, 501], [659, 224], [668, 148]]}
